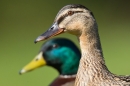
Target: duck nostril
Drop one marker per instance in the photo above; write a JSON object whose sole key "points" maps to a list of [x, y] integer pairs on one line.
{"points": [[36, 59], [52, 28]]}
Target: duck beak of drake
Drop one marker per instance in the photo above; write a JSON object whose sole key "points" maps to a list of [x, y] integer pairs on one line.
{"points": [[38, 61], [53, 31]]}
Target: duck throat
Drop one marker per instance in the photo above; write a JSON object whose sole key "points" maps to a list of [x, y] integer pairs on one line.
{"points": [[92, 68]]}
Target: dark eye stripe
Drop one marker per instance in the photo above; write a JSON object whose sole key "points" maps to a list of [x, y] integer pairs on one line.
{"points": [[63, 17]]}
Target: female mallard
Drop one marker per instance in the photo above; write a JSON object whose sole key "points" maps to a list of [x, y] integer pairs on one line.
{"points": [[63, 55], [79, 20]]}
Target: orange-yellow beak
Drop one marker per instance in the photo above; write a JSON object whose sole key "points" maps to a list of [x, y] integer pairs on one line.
{"points": [[38, 61]]}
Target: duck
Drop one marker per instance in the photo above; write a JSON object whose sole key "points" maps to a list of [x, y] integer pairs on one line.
{"points": [[61, 54], [78, 20]]}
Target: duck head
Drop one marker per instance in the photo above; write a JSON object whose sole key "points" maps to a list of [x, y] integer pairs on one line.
{"points": [[59, 53], [73, 19]]}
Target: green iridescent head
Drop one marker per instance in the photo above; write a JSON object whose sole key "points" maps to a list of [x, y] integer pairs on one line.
{"points": [[60, 53]]}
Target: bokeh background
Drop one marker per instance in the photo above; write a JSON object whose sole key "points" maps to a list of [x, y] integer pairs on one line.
{"points": [[21, 21]]}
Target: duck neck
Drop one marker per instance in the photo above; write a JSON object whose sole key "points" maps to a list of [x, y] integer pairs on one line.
{"points": [[92, 65]]}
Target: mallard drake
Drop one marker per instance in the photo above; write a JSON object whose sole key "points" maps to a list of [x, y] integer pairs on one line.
{"points": [[61, 54], [79, 20]]}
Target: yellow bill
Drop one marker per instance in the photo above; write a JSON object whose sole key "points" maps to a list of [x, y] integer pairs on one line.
{"points": [[38, 61]]}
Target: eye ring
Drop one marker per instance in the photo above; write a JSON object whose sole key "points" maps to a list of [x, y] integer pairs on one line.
{"points": [[70, 13]]}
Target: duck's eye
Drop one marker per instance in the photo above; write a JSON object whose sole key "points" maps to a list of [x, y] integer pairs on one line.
{"points": [[55, 46], [70, 13], [51, 47]]}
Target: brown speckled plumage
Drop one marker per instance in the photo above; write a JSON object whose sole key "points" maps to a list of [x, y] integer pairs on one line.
{"points": [[92, 69]]}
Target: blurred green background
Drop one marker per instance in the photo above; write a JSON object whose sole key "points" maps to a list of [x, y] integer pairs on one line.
{"points": [[21, 21]]}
